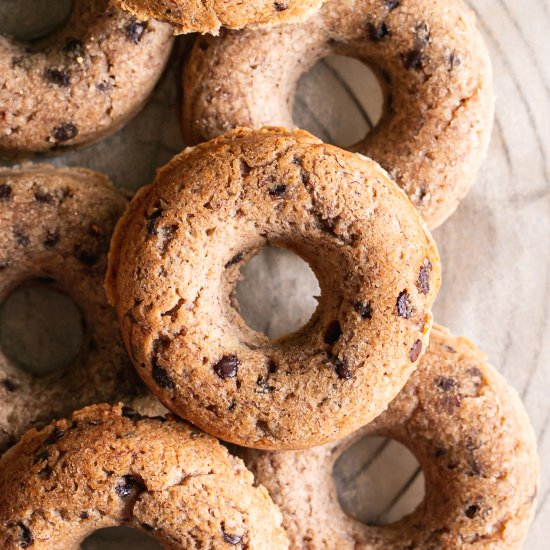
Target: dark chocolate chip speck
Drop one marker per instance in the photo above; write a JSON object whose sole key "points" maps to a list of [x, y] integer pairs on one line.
{"points": [[278, 192], [9, 385], [128, 485], [423, 281], [333, 332], [342, 369], [392, 4], [471, 511], [231, 539], [403, 305], [21, 237], [364, 309], [234, 260], [444, 383], [414, 354], [58, 77], [41, 456], [55, 436], [43, 196], [51, 239], [414, 59], [134, 30], [86, 257], [25, 535], [65, 132], [227, 366], [74, 46], [5, 191], [279, 6], [161, 378], [130, 413], [377, 32]]}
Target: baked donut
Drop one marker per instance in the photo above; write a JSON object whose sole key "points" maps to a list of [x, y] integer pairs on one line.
{"points": [[432, 64], [55, 228], [80, 83], [176, 255], [110, 466], [208, 17], [472, 437]]}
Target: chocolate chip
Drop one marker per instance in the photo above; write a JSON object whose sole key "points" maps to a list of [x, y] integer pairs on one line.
{"points": [[414, 354], [9, 385], [278, 192], [342, 369], [272, 366], [404, 306], [74, 47], [444, 383], [4, 264], [392, 4], [58, 77], [130, 413], [471, 511], [51, 239], [5, 191], [231, 539], [65, 132], [16, 61], [423, 281], [41, 457], [454, 61], [152, 223], [439, 452], [413, 59], [21, 237], [162, 378], [279, 6], [235, 260], [333, 332], [84, 515], [226, 367], [134, 30], [55, 436], [377, 32], [25, 535], [263, 385], [85, 256], [43, 196], [364, 309], [128, 485], [104, 86]]}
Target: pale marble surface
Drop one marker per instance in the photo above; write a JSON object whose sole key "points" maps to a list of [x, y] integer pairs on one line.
{"points": [[495, 249]]}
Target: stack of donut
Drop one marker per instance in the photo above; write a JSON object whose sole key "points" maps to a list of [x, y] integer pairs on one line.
{"points": [[369, 361]]}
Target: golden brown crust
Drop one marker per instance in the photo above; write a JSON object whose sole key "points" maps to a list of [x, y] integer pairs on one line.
{"points": [[176, 256], [432, 65], [110, 466], [473, 439], [187, 16], [55, 228], [81, 83]]}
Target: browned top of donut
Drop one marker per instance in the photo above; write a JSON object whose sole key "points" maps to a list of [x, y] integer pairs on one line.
{"points": [[176, 256]]}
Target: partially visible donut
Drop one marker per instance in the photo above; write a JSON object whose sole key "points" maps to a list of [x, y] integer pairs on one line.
{"points": [[55, 228], [432, 65], [208, 17], [110, 466], [80, 83], [473, 439], [175, 258]]}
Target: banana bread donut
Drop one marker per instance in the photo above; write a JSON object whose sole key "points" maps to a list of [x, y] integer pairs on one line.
{"points": [[80, 83], [55, 228], [472, 437], [432, 64], [110, 466], [176, 255], [208, 17]]}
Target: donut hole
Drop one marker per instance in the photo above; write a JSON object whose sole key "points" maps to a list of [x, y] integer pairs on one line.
{"points": [[120, 538], [378, 481], [33, 19], [41, 328], [277, 292], [339, 100]]}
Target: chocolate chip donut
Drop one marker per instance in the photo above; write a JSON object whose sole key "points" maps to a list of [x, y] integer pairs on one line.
{"points": [[80, 83], [432, 65], [110, 466], [176, 255], [472, 437], [208, 17], [55, 228]]}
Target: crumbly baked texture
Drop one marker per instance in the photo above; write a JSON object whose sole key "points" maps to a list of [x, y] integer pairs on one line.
{"points": [[55, 229], [80, 83], [176, 255], [208, 17], [109, 466], [473, 439], [432, 65]]}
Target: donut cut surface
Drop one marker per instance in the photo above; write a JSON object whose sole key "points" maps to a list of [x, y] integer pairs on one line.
{"points": [[473, 439], [80, 83], [430, 60], [110, 466], [208, 17], [175, 259], [55, 229]]}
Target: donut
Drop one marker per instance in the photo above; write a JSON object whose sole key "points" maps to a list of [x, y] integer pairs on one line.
{"points": [[80, 83], [109, 466], [176, 255], [187, 16], [431, 63], [472, 437], [55, 228]]}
